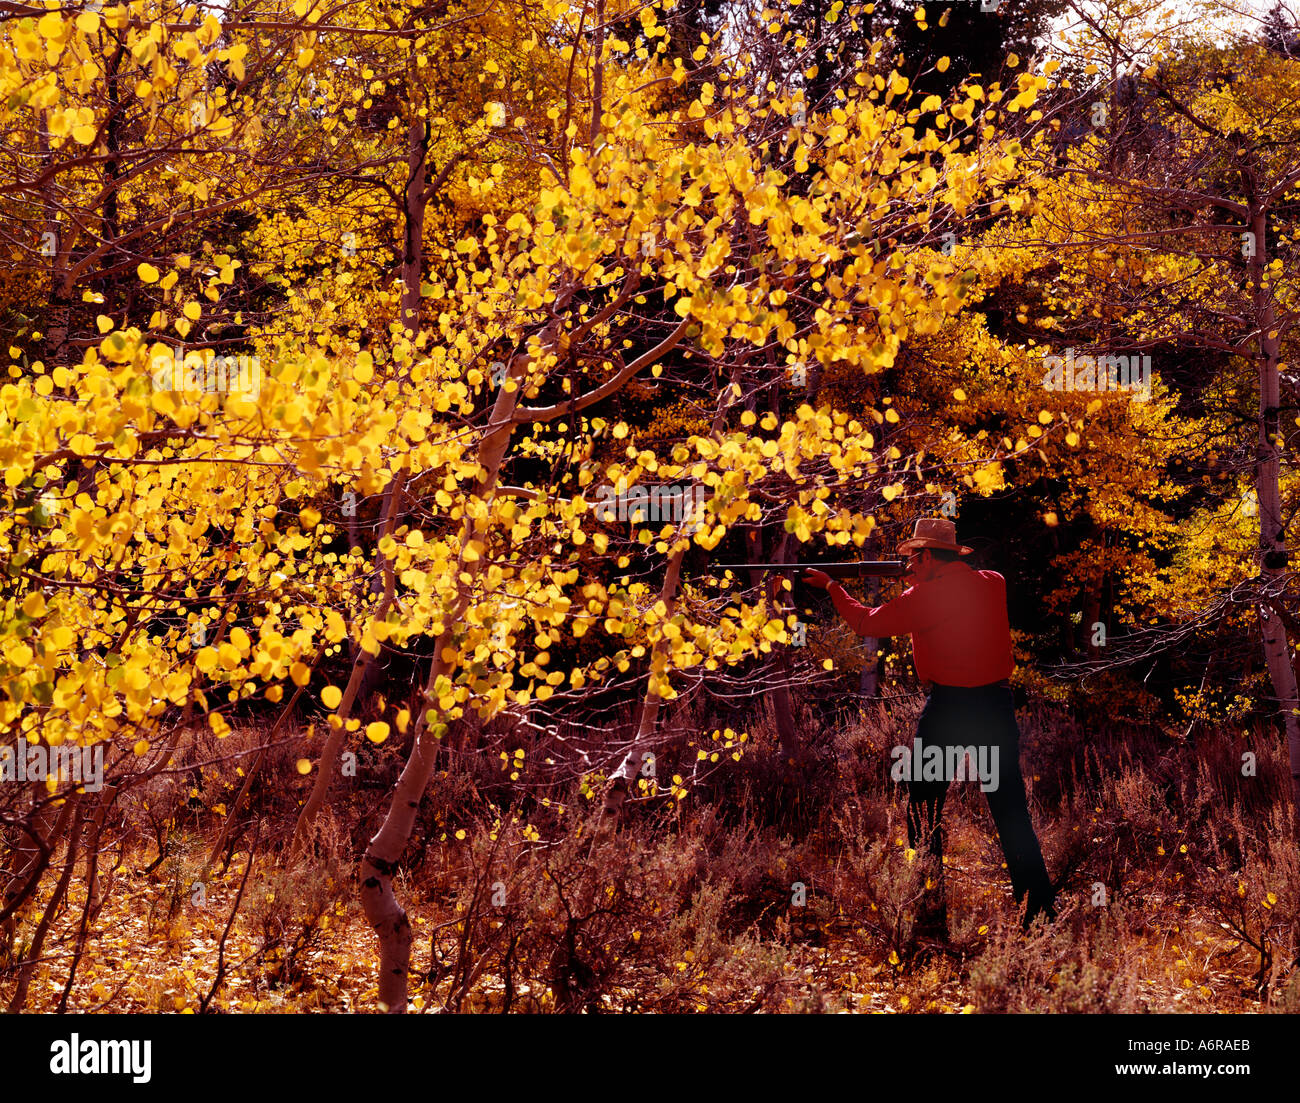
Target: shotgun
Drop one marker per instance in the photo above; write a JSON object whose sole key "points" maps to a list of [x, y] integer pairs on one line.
{"points": [[870, 568]]}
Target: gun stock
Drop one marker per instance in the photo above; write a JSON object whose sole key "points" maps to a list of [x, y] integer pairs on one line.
{"points": [[877, 568]]}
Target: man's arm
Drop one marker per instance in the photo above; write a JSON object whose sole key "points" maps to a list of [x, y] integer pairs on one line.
{"points": [[894, 618]]}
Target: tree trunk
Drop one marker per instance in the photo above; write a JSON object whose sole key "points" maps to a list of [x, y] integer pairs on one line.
{"points": [[869, 682], [782, 701], [782, 704], [1272, 531], [381, 859], [417, 168], [26, 859], [621, 781], [70, 812], [379, 864]]}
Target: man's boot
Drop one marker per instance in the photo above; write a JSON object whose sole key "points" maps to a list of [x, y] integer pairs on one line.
{"points": [[1038, 903]]}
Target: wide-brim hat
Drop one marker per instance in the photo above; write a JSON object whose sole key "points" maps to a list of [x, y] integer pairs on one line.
{"points": [[934, 532]]}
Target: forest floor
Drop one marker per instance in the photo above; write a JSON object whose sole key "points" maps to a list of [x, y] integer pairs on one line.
{"points": [[159, 945]]}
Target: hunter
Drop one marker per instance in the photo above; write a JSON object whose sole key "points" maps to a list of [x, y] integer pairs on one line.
{"points": [[961, 646]]}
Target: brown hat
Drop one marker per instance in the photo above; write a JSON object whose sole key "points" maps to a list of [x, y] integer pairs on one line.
{"points": [[934, 532]]}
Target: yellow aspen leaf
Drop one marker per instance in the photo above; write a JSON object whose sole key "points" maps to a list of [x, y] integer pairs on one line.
{"points": [[147, 273], [331, 696]]}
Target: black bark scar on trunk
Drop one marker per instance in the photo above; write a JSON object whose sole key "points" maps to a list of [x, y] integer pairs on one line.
{"points": [[386, 869]]}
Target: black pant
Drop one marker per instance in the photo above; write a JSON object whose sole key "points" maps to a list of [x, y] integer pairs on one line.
{"points": [[982, 716]]}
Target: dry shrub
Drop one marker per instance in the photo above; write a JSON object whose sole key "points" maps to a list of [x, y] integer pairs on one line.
{"points": [[289, 909], [641, 922], [1258, 901], [886, 882], [1086, 962]]}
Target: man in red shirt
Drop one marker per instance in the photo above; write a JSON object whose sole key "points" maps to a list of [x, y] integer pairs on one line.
{"points": [[961, 645]]}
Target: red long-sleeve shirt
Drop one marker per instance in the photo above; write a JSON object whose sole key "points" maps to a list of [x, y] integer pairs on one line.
{"points": [[957, 620]]}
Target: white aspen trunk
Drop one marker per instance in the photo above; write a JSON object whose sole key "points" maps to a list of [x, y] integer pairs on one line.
{"points": [[598, 74], [380, 861], [414, 200], [621, 781], [59, 310], [417, 170], [623, 778], [380, 903], [1272, 532], [782, 700]]}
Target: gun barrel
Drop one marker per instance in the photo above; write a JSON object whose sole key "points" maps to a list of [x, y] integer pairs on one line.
{"points": [[882, 568]]}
